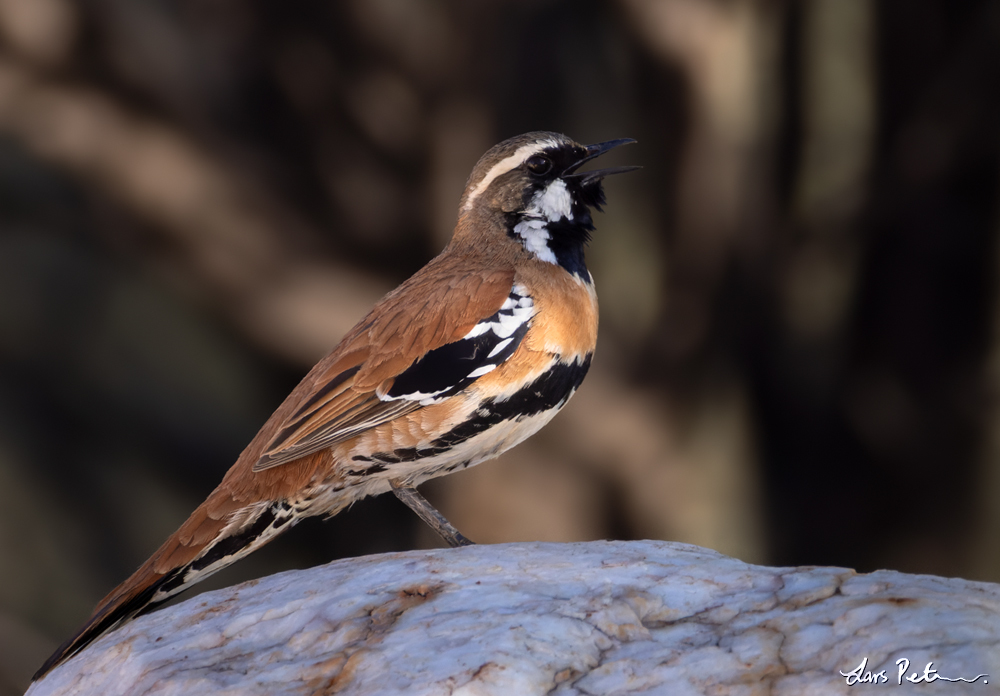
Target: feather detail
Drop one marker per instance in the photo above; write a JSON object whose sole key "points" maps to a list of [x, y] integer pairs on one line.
{"points": [[227, 522], [340, 398]]}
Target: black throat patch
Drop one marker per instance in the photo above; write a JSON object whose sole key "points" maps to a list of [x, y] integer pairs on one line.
{"points": [[566, 237]]}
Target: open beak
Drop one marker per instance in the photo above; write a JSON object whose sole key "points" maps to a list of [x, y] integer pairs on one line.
{"points": [[593, 151]]}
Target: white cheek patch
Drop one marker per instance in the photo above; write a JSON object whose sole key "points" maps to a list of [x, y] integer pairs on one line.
{"points": [[554, 202], [551, 204]]}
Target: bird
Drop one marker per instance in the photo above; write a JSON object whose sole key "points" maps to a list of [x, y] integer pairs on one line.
{"points": [[468, 357]]}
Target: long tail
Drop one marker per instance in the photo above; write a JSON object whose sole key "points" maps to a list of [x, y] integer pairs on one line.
{"points": [[220, 532], [244, 513]]}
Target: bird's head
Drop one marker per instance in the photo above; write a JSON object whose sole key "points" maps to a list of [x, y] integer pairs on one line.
{"points": [[528, 188]]}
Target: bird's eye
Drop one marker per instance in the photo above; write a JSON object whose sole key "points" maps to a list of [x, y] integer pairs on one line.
{"points": [[539, 164]]}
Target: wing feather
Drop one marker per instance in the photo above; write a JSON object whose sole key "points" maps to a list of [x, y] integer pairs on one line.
{"points": [[339, 399]]}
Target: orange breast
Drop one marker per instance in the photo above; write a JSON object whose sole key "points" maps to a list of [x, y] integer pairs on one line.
{"points": [[566, 320]]}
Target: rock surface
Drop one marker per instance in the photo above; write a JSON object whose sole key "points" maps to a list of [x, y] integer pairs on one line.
{"points": [[590, 618]]}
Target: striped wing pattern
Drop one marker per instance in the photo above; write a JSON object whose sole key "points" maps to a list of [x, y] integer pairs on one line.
{"points": [[352, 395]]}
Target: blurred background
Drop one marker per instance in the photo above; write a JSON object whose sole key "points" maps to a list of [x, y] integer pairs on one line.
{"points": [[799, 353]]}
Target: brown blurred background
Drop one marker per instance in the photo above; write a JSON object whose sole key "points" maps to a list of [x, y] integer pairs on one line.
{"points": [[800, 345]]}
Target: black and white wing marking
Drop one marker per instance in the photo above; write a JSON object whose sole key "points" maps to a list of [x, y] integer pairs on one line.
{"points": [[447, 370]]}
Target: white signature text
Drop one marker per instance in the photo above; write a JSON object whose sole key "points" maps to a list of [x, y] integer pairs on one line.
{"points": [[862, 675]]}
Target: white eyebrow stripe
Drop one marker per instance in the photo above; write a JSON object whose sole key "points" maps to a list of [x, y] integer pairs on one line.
{"points": [[505, 165]]}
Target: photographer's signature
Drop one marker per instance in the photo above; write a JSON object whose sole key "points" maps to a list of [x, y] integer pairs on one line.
{"points": [[861, 675]]}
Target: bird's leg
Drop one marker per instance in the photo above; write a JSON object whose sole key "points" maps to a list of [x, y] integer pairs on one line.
{"points": [[425, 511]]}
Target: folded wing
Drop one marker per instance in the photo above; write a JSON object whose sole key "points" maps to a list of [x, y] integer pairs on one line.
{"points": [[421, 349]]}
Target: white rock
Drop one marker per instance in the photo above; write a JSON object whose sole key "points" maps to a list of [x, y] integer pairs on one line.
{"points": [[593, 618]]}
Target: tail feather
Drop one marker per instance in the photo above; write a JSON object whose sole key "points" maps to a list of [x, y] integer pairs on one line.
{"points": [[181, 562], [107, 616]]}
